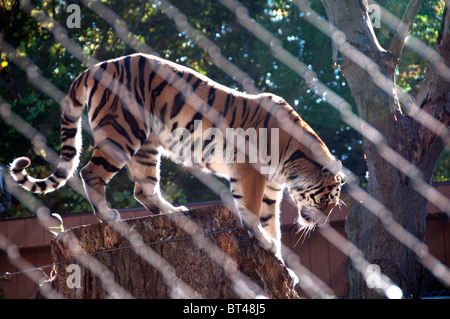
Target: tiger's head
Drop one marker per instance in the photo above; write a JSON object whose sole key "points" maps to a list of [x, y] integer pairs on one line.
{"points": [[317, 194]]}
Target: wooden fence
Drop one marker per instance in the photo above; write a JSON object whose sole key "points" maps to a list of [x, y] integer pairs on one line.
{"points": [[315, 252]]}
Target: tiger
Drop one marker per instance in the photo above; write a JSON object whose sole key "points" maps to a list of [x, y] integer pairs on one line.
{"points": [[136, 103]]}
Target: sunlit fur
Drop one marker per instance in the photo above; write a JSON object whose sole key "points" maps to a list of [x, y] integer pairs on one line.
{"points": [[135, 103]]}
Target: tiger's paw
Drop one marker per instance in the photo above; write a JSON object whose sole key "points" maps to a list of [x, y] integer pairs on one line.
{"points": [[181, 209], [265, 241], [293, 276], [108, 216], [172, 209]]}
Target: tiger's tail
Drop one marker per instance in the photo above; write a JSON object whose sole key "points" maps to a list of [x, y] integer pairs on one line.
{"points": [[70, 147]]}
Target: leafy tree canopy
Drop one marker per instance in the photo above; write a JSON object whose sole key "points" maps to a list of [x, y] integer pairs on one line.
{"points": [[100, 40]]}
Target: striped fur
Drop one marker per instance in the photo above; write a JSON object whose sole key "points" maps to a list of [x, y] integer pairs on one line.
{"points": [[135, 103]]}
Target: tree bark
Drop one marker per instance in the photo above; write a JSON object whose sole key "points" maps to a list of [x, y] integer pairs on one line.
{"points": [[187, 268], [381, 109]]}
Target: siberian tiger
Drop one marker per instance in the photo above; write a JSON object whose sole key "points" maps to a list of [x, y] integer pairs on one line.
{"points": [[137, 103]]}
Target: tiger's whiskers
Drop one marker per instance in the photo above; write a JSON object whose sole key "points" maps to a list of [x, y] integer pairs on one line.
{"points": [[305, 231]]}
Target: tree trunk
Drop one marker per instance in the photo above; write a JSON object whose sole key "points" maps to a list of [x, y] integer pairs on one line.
{"points": [[165, 260], [401, 133]]}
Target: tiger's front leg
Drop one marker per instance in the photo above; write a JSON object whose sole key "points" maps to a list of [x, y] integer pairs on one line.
{"points": [[248, 191], [270, 213]]}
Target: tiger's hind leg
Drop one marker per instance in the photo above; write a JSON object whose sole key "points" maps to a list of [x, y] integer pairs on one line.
{"points": [[145, 169], [96, 175]]}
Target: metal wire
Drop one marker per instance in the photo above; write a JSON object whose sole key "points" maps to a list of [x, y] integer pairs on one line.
{"points": [[243, 286]]}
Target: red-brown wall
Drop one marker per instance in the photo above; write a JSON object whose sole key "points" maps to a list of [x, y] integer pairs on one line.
{"points": [[317, 254]]}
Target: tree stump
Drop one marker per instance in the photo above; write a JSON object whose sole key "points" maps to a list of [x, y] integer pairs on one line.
{"points": [[201, 253]]}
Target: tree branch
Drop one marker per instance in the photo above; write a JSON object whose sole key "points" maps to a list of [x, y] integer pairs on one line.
{"points": [[433, 99], [404, 27], [177, 261]]}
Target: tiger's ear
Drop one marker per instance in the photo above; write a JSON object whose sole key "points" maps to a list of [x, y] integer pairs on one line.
{"points": [[332, 168]]}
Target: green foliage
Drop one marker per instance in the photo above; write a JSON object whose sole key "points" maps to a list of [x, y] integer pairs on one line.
{"points": [[152, 27], [412, 68], [442, 170]]}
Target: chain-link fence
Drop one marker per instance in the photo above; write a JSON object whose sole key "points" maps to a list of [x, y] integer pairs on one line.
{"points": [[248, 289]]}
